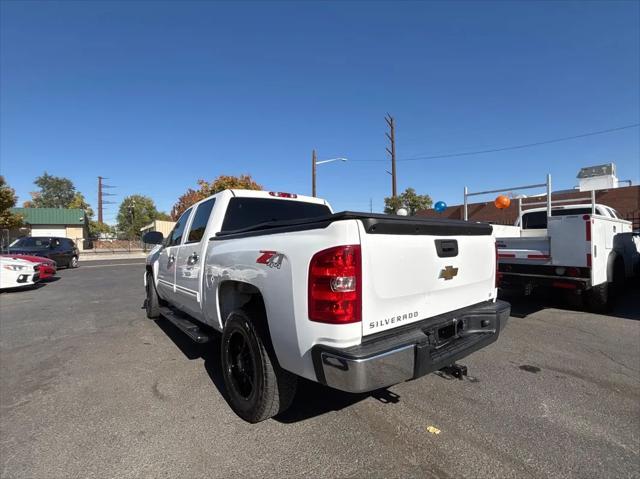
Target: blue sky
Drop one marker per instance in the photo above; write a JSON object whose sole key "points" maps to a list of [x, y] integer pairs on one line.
{"points": [[155, 95]]}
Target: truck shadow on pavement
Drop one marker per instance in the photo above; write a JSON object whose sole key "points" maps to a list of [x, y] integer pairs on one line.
{"points": [[312, 399], [626, 306]]}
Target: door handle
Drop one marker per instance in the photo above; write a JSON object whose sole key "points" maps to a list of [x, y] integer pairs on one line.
{"points": [[193, 259], [172, 258]]}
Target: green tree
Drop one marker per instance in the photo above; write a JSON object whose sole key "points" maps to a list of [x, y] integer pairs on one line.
{"points": [[206, 188], [96, 228], [8, 200], [135, 212], [79, 202], [55, 192], [409, 200]]}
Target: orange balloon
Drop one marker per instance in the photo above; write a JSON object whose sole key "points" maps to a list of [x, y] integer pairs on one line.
{"points": [[502, 202]]}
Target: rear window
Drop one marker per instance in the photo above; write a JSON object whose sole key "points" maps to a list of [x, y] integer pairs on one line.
{"points": [[538, 219], [614, 213], [200, 220], [32, 242], [246, 212]]}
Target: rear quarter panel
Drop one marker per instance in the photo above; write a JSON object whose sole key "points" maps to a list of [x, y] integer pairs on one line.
{"points": [[603, 231], [284, 289]]}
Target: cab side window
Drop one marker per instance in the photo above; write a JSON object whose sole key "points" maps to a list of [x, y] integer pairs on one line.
{"points": [[200, 220], [178, 230]]}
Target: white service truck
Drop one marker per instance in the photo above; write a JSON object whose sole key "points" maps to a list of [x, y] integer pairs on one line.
{"points": [[586, 248], [351, 300]]}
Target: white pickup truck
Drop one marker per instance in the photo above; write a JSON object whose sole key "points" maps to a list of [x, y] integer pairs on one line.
{"points": [[586, 248], [354, 301]]}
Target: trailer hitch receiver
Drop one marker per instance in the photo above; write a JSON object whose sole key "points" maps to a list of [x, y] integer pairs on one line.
{"points": [[455, 370]]}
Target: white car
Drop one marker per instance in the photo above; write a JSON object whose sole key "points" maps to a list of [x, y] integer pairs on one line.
{"points": [[355, 301], [17, 273]]}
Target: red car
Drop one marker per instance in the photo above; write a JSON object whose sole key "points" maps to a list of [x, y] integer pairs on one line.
{"points": [[47, 266]]}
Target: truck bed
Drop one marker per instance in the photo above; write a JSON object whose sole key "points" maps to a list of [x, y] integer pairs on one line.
{"points": [[537, 249], [374, 223]]}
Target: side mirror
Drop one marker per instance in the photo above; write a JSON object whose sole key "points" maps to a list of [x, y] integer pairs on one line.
{"points": [[153, 237]]}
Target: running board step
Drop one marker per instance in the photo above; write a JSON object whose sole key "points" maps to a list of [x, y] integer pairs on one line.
{"points": [[188, 327]]}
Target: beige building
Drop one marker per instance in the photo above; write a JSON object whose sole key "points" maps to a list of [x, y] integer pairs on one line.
{"points": [[163, 227]]}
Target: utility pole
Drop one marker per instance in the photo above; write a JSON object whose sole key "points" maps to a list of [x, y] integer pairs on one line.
{"points": [[100, 199], [101, 195], [392, 138], [314, 159], [370, 205]]}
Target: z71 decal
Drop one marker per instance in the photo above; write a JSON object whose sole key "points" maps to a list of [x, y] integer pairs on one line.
{"points": [[272, 259]]}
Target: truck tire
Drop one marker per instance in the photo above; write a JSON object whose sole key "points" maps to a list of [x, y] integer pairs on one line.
{"points": [[597, 298], [152, 301], [619, 274], [257, 387]]}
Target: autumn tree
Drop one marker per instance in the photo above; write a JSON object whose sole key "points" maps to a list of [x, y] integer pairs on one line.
{"points": [[205, 189], [409, 200], [224, 182], [190, 197], [135, 212], [8, 200]]}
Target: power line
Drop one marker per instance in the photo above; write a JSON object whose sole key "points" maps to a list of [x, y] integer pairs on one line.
{"points": [[516, 147]]}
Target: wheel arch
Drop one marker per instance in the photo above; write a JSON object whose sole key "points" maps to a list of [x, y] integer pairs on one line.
{"points": [[233, 295]]}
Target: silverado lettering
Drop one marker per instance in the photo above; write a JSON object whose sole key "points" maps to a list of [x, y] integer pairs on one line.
{"points": [[392, 320]]}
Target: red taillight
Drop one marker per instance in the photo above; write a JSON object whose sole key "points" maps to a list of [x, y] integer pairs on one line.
{"points": [[497, 273], [587, 233], [335, 285], [563, 285], [573, 272], [278, 194]]}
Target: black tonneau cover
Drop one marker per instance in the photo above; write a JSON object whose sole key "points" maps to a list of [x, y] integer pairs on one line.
{"points": [[374, 223]]}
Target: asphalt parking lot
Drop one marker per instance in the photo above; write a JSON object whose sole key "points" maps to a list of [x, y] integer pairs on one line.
{"points": [[91, 388]]}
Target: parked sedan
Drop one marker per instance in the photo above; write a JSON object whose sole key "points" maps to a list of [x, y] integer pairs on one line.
{"points": [[61, 250], [16, 273], [47, 267]]}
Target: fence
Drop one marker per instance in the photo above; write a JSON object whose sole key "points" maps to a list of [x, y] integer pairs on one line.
{"points": [[97, 246]]}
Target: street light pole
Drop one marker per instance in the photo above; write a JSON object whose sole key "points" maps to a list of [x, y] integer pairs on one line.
{"points": [[314, 164], [314, 159]]}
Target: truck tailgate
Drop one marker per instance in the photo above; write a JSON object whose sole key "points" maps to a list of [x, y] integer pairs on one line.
{"points": [[413, 274]]}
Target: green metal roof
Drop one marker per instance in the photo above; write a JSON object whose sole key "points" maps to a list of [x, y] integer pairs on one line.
{"points": [[51, 216]]}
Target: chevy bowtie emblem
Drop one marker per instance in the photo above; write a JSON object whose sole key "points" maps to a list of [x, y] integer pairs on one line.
{"points": [[448, 273]]}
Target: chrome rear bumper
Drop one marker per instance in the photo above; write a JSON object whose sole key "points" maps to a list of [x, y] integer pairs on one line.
{"points": [[410, 352]]}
